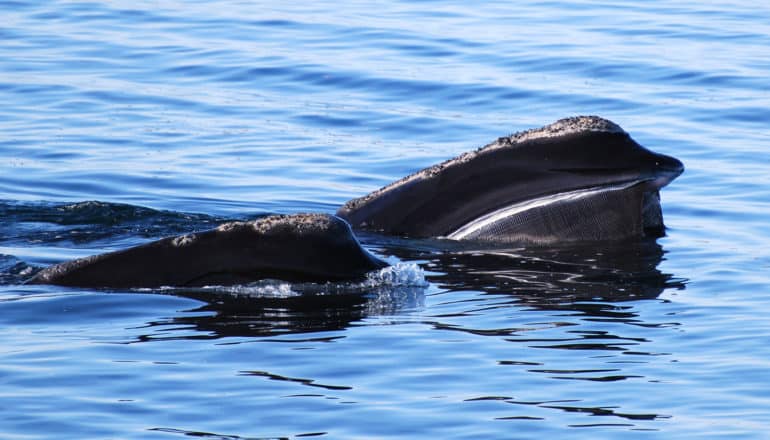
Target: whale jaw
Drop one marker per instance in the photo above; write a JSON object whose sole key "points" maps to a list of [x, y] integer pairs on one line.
{"points": [[604, 213]]}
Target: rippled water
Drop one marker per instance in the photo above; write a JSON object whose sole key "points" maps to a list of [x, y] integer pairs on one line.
{"points": [[175, 116]]}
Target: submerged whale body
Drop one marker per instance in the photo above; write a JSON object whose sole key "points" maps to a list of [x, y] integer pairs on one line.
{"points": [[301, 247], [578, 179]]}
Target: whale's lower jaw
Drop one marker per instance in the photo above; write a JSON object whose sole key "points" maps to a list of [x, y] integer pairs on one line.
{"points": [[616, 212], [652, 215]]}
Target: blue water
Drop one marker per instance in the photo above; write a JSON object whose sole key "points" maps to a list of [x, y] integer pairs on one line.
{"points": [[175, 116]]}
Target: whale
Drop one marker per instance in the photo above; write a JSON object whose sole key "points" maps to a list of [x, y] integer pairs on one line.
{"points": [[579, 179], [295, 248]]}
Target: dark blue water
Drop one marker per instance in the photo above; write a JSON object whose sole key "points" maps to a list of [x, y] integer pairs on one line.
{"points": [[175, 116]]}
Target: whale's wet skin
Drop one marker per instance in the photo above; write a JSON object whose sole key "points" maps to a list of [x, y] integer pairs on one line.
{"points": [[312, 247], [580, 179]]}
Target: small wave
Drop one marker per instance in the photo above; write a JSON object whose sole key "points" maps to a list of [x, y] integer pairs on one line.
{"points": [[398, 276], [384, 292], [14, 271]]}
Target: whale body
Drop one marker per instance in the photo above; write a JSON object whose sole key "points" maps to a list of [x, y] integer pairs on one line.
{"points": [[578, 179], [301, 247]]}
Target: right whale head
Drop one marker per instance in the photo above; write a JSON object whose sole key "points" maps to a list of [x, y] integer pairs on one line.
{"points": [[299, 247], [578, 179], [295, 248]]}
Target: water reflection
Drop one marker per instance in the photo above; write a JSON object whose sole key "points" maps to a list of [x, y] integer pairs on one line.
{"points": [[550, 278], [275, 308], [570, 407], [585, 281], [489, 290], [574, 285]]}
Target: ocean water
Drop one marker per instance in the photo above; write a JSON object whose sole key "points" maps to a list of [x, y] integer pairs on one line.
{"points": [[126, 121]]}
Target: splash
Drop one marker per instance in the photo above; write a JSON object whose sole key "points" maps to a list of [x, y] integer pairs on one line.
{"points": [[397, 275]]}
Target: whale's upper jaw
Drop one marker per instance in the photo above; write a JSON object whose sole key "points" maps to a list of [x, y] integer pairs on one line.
{"points": [[669, 168], [658, 173], [573, 154]]}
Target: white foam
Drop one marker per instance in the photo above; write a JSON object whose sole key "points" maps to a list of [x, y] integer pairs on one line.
{"points": [[258, 289], [390, 278]]}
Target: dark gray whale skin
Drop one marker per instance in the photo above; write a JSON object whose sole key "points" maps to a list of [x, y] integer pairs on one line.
{"points": [[578, 179], [302, 247]]}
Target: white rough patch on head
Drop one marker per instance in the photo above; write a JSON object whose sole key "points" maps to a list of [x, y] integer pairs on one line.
{"points": [[297, 223], [184, 240], [566, 126], [226, 227], [562, 127], [278, 223]]}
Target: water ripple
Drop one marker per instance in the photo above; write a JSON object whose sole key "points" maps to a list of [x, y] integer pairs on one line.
{"points": [[126, 121]]}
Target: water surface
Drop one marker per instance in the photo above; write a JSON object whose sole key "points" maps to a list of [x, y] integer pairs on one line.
{"points": [[124, 122]]}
